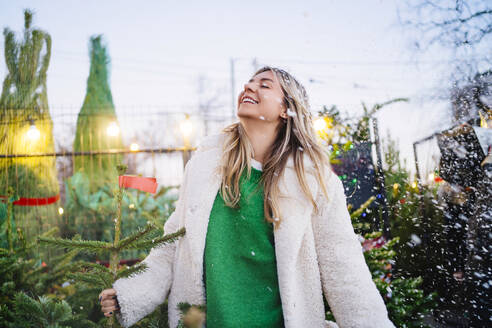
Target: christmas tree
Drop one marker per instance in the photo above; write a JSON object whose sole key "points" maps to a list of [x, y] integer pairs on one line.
{"points": [[404, 297], [46, 312], [22, 273], [97, 124], [97, 277], [25, 123]]}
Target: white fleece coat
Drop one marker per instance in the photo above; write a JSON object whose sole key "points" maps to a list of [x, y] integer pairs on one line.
{"points": [[316, 254]]}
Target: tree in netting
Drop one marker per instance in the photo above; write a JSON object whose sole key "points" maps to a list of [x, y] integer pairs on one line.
{"points": [[97, 125], [25, 122]]}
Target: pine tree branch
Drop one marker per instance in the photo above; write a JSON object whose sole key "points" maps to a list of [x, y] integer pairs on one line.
{"points": [[46, 234], [97, 271], [27, 306], [91, 246], [80, 321], [169, 238], [135, 269], [65, 260], [94, 266], [126, 242], [93, 280]]}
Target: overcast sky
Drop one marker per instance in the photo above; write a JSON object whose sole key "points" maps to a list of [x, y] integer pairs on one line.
{"points": [[344, 52]]}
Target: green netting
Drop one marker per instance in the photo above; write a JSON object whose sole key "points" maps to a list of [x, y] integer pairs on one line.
{"points": [[26, 125]]}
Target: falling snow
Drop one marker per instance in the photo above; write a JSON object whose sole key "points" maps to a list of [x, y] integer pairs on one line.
{"points": [[415, 239], [291, 112]]}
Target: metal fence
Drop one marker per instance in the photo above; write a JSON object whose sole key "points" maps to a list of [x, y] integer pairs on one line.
{"points": [[153, 144]]}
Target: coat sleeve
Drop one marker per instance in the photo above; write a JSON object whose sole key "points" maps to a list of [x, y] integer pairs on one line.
{"points": [[140, 294], [346, 280]]}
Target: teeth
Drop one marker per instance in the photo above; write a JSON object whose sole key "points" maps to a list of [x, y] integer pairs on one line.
{"points": [[249, 100]]}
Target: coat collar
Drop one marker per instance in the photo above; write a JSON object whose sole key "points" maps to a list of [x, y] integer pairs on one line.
{"points": [[204, 184], [216, 141]]}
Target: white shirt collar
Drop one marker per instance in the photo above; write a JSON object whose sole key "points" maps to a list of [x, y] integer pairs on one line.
{"points": [[257, 165]]}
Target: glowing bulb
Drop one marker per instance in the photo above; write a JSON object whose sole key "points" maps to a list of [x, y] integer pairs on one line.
{"points": [[319, 124], [33, 133], [431, 177], [186, 127], [60, 210], [113, 129], [134, 146], [414, 184]]}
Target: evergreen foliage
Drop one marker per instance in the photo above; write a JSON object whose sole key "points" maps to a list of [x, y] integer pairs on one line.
{"points": [[46, 313], [406, 301], [22, 273], [24, 107], [95, 116], [95, 277], [91, 214]]}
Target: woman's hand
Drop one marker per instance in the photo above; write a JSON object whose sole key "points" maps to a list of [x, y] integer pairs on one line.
{"points": [[109, 302]]}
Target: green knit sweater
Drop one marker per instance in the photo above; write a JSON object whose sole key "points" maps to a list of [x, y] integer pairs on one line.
{"points": [[240, 271]]}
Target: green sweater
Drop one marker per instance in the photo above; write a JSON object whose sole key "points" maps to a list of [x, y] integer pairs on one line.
{"points": [[240, 270]]}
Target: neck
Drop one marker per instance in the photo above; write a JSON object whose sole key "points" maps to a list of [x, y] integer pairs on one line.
{"points": [[261, 137]]}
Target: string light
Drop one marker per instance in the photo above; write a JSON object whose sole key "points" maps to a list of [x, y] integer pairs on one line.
{"points": [[186, 126], [33, 133], [113, 129], [319, 124], [134, 146]]}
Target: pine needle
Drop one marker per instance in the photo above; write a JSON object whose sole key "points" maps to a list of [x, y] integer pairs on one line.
{"points": [[135, 269], [126, 242], [169, 238], [89, 246]]}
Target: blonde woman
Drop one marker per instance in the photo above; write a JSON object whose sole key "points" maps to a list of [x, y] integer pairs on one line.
{"points": [[267, 228]]}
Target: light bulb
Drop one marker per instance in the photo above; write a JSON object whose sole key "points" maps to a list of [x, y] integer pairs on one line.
{"points": [[186, 127], [134, 146], [33, 133], [113, 129], [319, 124]]}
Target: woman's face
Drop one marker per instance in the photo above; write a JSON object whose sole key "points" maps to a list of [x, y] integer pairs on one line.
{"points": [[265, 91]]}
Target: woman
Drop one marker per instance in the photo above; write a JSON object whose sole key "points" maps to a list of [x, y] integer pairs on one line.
{"points": [[267, 228]]}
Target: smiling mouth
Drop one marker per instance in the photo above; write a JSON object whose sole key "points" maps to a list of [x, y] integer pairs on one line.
{"points": [[248, 100]]}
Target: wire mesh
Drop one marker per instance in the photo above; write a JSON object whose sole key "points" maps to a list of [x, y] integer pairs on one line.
{"points": [[74, 188]]}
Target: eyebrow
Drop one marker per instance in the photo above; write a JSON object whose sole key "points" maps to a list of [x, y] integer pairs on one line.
{"points": [[262, 79]]}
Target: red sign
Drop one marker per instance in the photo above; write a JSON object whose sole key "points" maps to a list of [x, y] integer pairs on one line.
{"points": [[140, 183], [33, 201]]}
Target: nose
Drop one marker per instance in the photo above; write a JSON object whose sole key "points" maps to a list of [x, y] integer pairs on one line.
{"points": [[249, 86]]}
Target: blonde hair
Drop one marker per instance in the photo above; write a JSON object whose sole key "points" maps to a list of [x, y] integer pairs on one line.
{"points": [[295, 136]]}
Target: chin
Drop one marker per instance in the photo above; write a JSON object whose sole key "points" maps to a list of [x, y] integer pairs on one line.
{"points": [[245, 113]]}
